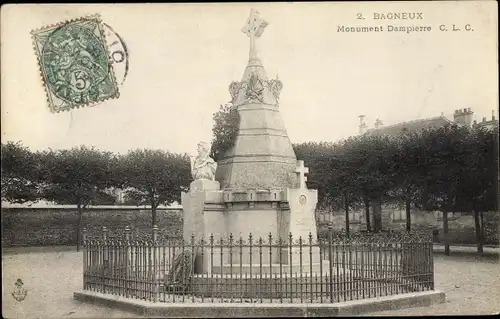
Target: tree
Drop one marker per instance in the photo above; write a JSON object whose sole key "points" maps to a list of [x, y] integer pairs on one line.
{"points": [[77, 176], [342, 189], [225, 131], [20, 173], [369, 157], [154, 177], [409, 170], [446, 160], [479, 179]]}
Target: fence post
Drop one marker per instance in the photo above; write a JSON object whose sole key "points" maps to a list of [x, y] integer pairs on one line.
{"points": [[85, 256], [330, 259], [155, 267], [128, 258], [105, 256]]}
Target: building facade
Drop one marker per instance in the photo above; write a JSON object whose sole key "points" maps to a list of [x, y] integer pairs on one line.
{"points": [[462, 117]]}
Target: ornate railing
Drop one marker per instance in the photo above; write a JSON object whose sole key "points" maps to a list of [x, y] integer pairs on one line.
{"points": [[335, 269]]}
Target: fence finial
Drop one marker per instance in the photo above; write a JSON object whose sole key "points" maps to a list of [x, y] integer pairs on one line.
{"points": [[155, 233], [84, 235], [127, 234]]}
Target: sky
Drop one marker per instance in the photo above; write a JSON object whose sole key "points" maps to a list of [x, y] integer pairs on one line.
{"points": [[184, 56]]}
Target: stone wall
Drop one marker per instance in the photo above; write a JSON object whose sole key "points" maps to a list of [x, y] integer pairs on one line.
{"points": [[53, 226]]}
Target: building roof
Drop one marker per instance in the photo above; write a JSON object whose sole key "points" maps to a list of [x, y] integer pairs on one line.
{"points": [[486, 124], [410, 126]]}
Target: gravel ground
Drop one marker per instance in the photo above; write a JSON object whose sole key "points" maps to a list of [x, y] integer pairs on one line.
{"points": [[471, 283], [50, 279]]}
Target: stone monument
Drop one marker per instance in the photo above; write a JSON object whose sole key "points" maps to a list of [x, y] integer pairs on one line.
{"points": [[259, 187], [203, 167]]}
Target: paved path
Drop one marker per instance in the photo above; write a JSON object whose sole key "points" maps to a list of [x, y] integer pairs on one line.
{"points": [[50, 279], [470, 281]]}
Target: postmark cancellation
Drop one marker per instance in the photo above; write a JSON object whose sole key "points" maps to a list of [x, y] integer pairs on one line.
{"points": [[74, 63]]}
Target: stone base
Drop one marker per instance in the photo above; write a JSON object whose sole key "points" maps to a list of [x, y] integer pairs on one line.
{"points": [[295, 286], [235, 310]]}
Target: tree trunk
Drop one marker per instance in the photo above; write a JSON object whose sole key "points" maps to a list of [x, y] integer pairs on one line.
{"points": [[367, 214], [78, 226], [450, 207], [408, 212], [445, 233], [347, 219], [153, 207], [478, 232], [377, 214], [482, 228], [153, 214]]}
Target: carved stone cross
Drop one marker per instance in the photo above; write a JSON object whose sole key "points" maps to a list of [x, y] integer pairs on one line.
{"points": [[301, 170], [253, 29]]}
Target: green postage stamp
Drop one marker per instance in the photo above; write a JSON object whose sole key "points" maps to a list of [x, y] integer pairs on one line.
{"points": [[75, 64]]}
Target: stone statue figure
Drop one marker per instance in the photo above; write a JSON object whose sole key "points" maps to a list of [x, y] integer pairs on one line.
{"points": [[203, 166]]}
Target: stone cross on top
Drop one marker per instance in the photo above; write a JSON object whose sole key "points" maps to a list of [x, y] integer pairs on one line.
{"points": [[253, 29], [301, 170]]}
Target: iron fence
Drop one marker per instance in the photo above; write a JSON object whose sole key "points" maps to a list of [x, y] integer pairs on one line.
{"points": [[305, 270]]}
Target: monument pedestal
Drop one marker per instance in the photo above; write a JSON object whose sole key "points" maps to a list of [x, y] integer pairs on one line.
{"points": [[267, 216], [202, 193]]}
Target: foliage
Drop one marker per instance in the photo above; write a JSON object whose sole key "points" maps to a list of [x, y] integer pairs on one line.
{"points": [[77, 176], [410, 171], [225, 131], [452, 168], [478, 186], [20, 173], [317, 157], [445, 159], [371, 156], [154, 177]]}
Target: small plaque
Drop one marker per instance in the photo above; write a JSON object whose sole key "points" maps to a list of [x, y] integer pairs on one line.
{"points": [[302, 199]]}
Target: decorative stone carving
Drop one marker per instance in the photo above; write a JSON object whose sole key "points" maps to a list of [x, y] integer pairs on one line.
{"points": [[275, 86], [181, 272], [302, 199], [255, 89], [203, 166], [234, 90]]}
